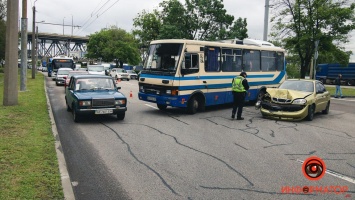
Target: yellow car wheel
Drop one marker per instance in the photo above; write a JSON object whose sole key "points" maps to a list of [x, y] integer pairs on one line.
{"points": [[326, 110], [310, 113]]}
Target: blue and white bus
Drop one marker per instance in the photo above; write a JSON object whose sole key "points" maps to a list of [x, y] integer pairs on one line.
{"points": [[59, 62], [194, 74]]}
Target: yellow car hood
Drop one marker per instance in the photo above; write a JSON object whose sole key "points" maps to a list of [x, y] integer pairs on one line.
{"points": [[287, 94]]}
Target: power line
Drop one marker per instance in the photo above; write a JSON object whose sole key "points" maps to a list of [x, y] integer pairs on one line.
{"points": [[94, 13], [98, 15]]}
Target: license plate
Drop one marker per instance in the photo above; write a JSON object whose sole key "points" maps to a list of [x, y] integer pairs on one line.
{"points": [[151, 98], [100, 112]]}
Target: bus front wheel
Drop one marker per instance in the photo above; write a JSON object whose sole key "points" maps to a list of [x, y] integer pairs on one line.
{"points": [[192, 105], [161, 106]]}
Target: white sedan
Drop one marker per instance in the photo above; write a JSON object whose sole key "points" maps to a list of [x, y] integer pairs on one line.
{"points": [[119, 73]]}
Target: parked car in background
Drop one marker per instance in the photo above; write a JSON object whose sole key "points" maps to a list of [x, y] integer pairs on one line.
{"points": [[70, 75], [96, 69], [82, 69], [132, 74], [107, 68], [61, 75], [294, 100], [44, 69], [94, 95], [119, 73]]}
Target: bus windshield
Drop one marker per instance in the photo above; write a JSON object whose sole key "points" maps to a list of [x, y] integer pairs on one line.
{"points": [[163, 58], [62, 63]]}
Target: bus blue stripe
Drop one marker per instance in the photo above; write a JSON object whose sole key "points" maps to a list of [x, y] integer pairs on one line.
{"points": [[229, 85]]}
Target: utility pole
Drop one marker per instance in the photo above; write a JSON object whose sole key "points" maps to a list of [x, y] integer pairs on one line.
{"points": [[316, 43], [11, 55], [266, 19], [33, 43], [36, 56], [23, 75], [72, 25]]}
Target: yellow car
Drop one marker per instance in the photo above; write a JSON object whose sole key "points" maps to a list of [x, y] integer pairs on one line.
{"points": [[294, 100]]}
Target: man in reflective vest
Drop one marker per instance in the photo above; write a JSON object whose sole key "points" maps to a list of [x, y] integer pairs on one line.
{"points": [[239, 90]]}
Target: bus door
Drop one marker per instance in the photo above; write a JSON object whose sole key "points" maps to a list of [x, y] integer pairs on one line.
{"points": [[190, 71], [212, 82]]}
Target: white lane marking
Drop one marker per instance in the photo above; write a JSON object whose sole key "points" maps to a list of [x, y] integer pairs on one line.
{"points": [[152, 106], [74, 183], [335, 174]]}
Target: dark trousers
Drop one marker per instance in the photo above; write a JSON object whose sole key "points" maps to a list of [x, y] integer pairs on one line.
{"points": [[238, 102]]}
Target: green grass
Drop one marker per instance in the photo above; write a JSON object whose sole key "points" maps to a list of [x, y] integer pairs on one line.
{"points": [[28, 161], [346, 91]]}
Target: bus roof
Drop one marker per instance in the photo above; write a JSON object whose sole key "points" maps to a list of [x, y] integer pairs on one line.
{"points": [[62, 57], [234, 43]]}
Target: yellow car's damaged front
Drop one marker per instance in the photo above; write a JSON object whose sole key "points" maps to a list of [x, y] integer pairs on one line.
{"points": [[295, 100]]}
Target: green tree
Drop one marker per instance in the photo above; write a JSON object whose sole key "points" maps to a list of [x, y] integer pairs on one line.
{"points": [[300, 23], [146, 28], [175, 22], [239, 29], [114, 44], [196, 19], [209, 19]]}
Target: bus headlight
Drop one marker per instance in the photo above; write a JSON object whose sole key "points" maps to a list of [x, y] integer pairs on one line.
{"points": [[172, 92], [141, 88]]}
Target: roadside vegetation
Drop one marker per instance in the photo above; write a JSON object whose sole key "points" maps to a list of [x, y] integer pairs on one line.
{"points": [[347, 92], [28, 161]]}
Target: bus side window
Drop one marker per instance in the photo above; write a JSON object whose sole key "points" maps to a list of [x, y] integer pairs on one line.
{"points": [[190, 64], [251, 60], [268, 61]]}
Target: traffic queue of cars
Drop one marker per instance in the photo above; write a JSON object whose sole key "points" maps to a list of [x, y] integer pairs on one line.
{"points": [[93, 91]]}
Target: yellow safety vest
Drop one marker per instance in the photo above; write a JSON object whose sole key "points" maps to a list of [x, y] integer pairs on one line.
{"points": [[237, 85]]}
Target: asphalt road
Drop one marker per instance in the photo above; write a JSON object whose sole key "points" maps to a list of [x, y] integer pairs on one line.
{"points": [[155, 154]]}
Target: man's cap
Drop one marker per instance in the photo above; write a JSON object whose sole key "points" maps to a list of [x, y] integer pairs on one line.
{"points": [[243, 73]]}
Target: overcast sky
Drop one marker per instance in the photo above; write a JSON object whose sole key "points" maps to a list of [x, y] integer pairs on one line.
{"points": [[93, 15]]}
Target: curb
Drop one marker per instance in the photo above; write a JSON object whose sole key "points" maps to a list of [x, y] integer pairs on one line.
{"points": [[64, 175], [344, 97]]}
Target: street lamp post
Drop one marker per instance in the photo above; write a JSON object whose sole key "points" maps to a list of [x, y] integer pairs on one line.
{"points": [[33, 50], [63, 25]]}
